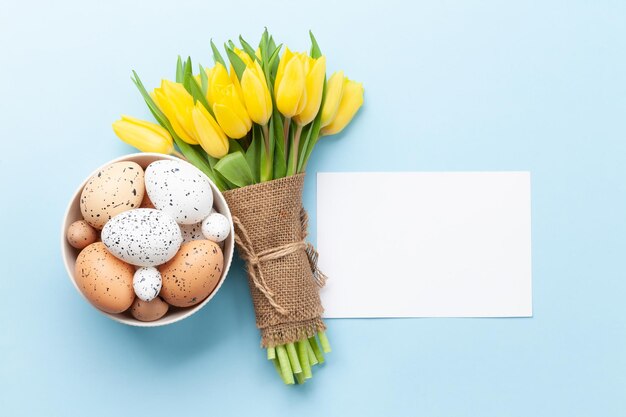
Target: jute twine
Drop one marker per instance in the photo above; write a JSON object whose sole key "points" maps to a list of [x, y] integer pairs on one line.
{"points": [[270, 231]]}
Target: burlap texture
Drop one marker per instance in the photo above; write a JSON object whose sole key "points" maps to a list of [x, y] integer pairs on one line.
{"points": [[287, 306]]}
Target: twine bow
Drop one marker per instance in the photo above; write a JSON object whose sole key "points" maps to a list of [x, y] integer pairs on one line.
{"points": [[255, 259]]}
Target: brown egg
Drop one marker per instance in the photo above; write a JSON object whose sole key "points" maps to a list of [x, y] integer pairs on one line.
{"points": [[116, 188], [149, 310], [146, 202], [106, 281], [192, 274], [80, 234]]}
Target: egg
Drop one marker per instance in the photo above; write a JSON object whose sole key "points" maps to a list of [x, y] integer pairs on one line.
{"points": [[142, 237], [80, 234], [191, 232], [216, 227], [179, 189], [114, 189], [147, 283], [149, 310], [192, 274], [106, 281]]}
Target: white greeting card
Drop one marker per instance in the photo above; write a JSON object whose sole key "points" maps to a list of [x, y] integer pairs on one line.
{"points": [[425, 244]]}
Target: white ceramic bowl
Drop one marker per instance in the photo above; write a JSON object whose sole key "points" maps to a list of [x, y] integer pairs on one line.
{"points": [[174, 314]]}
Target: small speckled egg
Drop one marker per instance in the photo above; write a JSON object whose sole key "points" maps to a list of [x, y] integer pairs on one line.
{"points": [[149, 310], [80, 234], [192, 274], [191, 232], [179, 189], [216, 227], [116, 188], [147, 283], [142, 237], [105, 281]]}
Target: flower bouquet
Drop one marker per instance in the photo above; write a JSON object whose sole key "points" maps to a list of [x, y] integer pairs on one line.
{"points": [[250, 124]]}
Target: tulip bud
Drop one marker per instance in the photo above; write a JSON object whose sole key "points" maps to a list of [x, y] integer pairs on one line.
{"points": [[145, 136], [334, 90], [289, 87], [210, 136], [351, 101], [176, 103], [256, 94], [231, 113], [217, 77], [314, 85]]}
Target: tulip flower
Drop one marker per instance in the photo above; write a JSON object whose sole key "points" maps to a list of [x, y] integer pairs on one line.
{"points": [[334, 90], [289, 87], [217, 77], [315, 71], [176, 103], [231, 113], [210, 136], [256, 94], [351, 101], [145, 136]]}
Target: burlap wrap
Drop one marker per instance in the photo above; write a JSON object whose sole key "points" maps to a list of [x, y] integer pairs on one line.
{"points": [[270, 228]]}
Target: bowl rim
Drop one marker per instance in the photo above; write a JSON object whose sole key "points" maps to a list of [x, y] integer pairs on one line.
{"points": [[121, 317]]}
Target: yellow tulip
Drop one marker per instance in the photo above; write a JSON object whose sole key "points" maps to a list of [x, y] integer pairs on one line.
{"points": [[210, 136], [244, 56], [334, 90], [315, 71], [217, 77], [256, 94], [176, 103], [289, 87], [231, 113], [145, 136], [351, 101]]}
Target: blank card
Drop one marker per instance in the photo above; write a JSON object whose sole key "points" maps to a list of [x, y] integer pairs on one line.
{"points": [[425, 244]]}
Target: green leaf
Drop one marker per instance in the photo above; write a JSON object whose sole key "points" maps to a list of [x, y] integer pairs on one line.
{"points": [[272, 48], [264, 45], [204, 80], [273, 57], [248, 49], [217, 57], [253, 154], [187, 74], [235, 169], [238, 65], [158, 114], [179, 70], [192, 86], [315, 48], [231, 44]]}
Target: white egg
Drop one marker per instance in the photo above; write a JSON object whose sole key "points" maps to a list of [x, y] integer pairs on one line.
{"points": [[147, 283], [216, 227], [179, 189], [142, 237], [191, 232]]}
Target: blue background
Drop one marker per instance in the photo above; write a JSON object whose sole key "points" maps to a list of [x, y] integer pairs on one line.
{"points": [[450, 85]]}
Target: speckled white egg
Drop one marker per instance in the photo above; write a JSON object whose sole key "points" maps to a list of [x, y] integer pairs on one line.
{"points": [[215, 227], [147, 283], [142, 237], [191, 232], [179, 189]]}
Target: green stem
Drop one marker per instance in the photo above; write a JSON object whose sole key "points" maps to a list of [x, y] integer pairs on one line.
{"points": [[285, 367], [271, 353], [293, 358], [304, 360], [324, 342], [293, 166], [300, 378], [309, 349], [316, 350], [286, 125], [266, 170]]}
